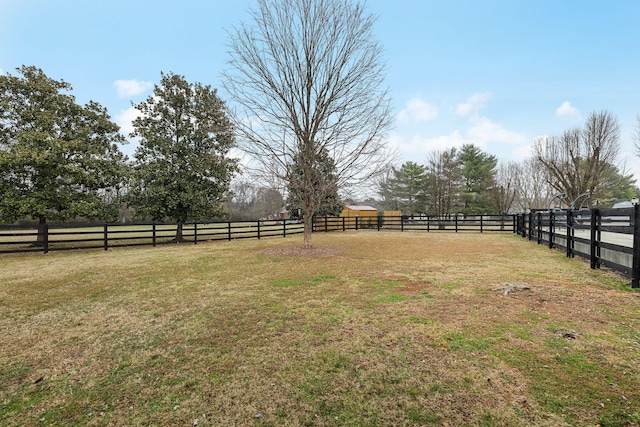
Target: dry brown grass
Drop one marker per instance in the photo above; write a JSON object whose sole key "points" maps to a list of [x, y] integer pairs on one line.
{"points": [[366, 329]]}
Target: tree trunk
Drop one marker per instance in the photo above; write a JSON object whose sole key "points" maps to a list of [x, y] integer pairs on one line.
{"points": [[179, 238], [308, 228], [42, 222]]}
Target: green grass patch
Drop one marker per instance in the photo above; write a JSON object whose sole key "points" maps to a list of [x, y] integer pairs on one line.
{"points": [[391, 298], [313, 281], [465, 341]]}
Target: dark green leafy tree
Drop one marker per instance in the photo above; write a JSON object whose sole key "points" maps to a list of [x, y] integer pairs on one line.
{"points": [[405, 188], [409, 186], [479, 180], [321, 179], [58, 160], [615, 186], [181, 169]]}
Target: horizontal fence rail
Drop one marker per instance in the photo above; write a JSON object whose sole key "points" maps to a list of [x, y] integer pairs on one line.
{"points": [[606, 237], [455, 223], [47, 238]]}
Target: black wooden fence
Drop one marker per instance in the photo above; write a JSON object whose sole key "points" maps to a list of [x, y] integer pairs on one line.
{"points": [[455, 223], [606, 237], [49, 238], [60, 237]]}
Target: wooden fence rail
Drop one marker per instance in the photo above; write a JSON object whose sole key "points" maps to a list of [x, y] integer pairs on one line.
{"points": [[53, 238], [606, 237], [46, 238]]}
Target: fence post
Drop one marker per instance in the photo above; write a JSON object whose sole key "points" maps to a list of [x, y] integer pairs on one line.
{"points": [[401, 223], [45, 230], [635, 273], [480, 223], [552, 228], [456, 223], [153, 228], [258, 229], [343, 224], [284, 228], [539, 227], [569, 233], [594, 243], [326, 224], [229, 230], [195, 233], [106, 238]]}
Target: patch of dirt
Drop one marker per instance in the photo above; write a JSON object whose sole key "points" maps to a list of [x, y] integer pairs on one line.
{"points": [[315, 251]]}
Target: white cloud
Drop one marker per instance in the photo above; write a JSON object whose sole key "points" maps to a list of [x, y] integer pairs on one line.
{"points": [[483, 131], [417, 110], [473, 128], [419, 146], [521, 152], [567, 110], [475, 103], [129, 88], [125, 118]]}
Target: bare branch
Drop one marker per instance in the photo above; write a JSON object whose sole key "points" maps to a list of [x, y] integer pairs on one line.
{"points": [[309, 82], [576, 161]]}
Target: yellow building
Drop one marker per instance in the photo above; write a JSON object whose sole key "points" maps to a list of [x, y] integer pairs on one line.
{"points": [[366, 216]]}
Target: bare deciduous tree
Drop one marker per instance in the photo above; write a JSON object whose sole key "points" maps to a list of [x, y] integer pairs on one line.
{"points": [[308, 78], [444, 181], [576, 160], [506, 190], [533, 191]]}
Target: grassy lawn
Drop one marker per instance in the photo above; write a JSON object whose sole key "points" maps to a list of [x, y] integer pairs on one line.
{"points": [[369, 329]]}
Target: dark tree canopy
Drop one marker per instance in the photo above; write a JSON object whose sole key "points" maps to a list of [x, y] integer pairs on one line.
{"points": [[323, 182], [181, 170], [58, 159], [406, 188], [478, 180], [308, 77]]}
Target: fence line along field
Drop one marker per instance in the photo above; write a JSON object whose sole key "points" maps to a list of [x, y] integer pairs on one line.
{"points": [[44, 238], [15, 239], [364, 329]]}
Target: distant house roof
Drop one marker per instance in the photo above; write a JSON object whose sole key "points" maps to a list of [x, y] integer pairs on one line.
{"points": [[360, 208]]}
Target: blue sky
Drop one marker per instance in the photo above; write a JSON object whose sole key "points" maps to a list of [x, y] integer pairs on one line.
{"points": [[496, 73]]}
